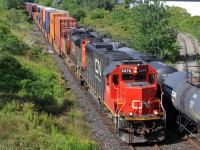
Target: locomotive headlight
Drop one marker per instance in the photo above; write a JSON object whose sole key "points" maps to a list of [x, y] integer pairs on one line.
{"points": [[135, 69], [155, 112], [131, 114]]}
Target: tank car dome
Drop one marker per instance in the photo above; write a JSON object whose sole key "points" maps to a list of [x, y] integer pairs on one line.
{"points": [[163, 70]]}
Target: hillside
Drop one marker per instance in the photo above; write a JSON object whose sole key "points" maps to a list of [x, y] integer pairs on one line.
{"points": [[36, 111]]}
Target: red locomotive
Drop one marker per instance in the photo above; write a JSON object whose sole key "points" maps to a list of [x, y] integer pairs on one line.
{"points": [[127, 87]]}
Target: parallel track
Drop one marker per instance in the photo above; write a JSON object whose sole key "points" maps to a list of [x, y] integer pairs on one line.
{"points": [[188, 54]]}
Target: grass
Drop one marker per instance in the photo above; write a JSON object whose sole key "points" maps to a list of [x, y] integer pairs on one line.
{"points": [[43, 115], [26, 129]]}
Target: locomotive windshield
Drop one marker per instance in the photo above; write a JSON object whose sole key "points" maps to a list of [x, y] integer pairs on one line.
{"points": [[127, 77], [138, 77]]}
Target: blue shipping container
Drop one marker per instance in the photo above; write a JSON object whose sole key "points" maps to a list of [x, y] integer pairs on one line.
{"points": [[47, 20], [48, 28]]}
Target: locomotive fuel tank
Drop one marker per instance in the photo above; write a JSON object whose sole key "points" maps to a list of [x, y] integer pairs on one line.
{"points": [[184, 95]]}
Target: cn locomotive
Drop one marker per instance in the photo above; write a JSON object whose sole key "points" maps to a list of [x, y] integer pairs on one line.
{"points": [[125, 84], [122, 77], [138, 91]]}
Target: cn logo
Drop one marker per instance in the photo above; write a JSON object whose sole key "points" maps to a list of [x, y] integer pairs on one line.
{"points": [[97, 67]]}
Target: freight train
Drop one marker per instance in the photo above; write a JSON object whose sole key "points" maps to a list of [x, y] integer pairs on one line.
{"points": [[134, 88]]}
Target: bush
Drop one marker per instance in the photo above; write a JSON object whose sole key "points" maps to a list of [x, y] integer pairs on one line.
{"points": [[11, 74], [97, 14], [11, 43], [78, 14], [25, 129], [16, 16]]}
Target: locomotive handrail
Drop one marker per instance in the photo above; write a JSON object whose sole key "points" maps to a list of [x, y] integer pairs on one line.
{"points": [[161, 103]]}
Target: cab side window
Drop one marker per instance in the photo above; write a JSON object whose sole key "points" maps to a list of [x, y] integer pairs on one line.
{"points": [[107, 80], [115, 79], [152, 78]]}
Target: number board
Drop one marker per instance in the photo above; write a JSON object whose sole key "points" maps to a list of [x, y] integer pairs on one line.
{"points": [[142, 70], [125, 70]]}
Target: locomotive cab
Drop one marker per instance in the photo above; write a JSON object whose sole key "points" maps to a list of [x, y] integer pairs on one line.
{"points": [[131, 91]]}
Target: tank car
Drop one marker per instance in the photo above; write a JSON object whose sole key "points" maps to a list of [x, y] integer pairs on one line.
{"points": [[163, 70], [184, 93]]}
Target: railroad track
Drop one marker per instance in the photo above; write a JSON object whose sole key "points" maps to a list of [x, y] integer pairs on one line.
{"points": [[193, 141], [188, 54], [156, 147]]}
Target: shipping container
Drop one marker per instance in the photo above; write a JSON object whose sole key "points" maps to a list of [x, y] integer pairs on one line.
{"points": [[62, 23], [47, 20], [38, 9], [38, 18], [35, 14], [27, 7], [52, 22], [44, 16], [32, 9], [41, 9], [63, 11], [44, 13]]}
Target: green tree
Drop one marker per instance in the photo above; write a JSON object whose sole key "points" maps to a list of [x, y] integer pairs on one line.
{"points": [[45, 2], [10, 43], [127, 3], [8, 4], [3, 5], [177, 16], [151, 31]]}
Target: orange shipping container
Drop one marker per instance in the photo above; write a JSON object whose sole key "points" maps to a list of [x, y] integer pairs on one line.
{"points": [[64, 40], [35, 15], [62, 23], [43, 15], [41, 19], [52, 22]]}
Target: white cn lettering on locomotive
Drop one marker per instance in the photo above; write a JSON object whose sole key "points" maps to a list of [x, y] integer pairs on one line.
{"points": [[98, 67]]}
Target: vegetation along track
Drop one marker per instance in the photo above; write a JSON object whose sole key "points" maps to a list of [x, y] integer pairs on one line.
{"points": [[188, 53]]}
